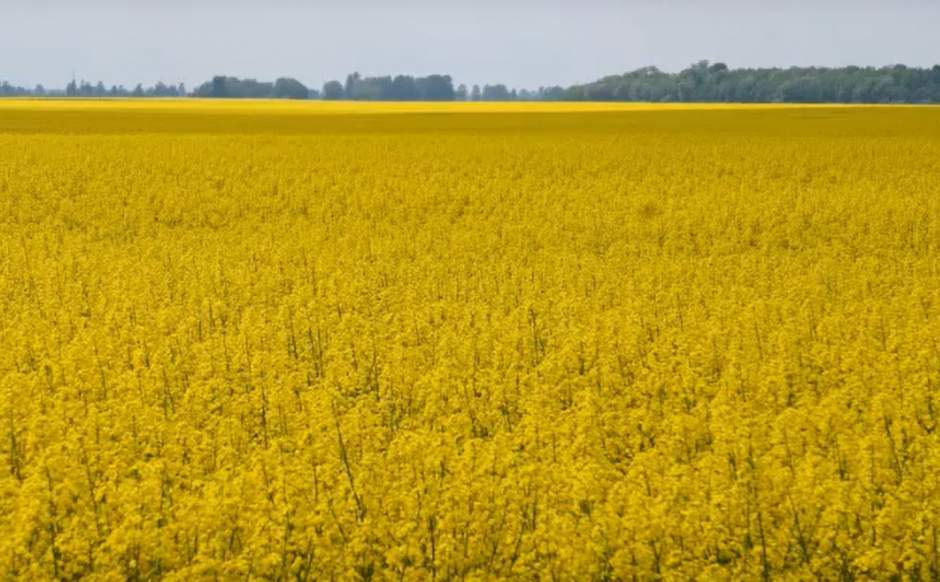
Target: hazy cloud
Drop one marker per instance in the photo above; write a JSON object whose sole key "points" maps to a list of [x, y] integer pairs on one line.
{"points": [[522, 43]]}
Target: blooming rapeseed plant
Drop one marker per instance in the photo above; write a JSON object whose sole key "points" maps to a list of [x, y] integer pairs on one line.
{"points": [[255, 341]]}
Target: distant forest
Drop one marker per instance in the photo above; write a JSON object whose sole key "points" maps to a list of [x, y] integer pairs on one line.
{"points": [[701, 82], [86, 89]]}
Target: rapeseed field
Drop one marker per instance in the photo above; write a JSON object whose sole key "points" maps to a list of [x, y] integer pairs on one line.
{"points": [[247, 341]]}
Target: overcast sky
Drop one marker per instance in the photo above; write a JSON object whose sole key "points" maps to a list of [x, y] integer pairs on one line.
{"points": [[522, 43]]}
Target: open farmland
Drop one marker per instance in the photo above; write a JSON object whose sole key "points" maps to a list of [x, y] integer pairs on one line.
{"points": [[248, 341]]}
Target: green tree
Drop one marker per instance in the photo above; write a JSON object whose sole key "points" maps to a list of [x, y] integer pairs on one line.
{"points": [[349, 89], [333, 91], [436, 88], [288, 88], [218, 89], [404, 88], [496, 93]]}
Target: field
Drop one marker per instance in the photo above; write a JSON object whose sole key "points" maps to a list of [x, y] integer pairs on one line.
{"points": [[307, 342]]}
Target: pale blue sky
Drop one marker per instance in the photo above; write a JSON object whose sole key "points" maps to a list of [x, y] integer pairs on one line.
{"points": [[523, 43]]}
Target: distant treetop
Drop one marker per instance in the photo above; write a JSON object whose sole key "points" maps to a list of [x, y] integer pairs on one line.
{"points": [[221, 87]]}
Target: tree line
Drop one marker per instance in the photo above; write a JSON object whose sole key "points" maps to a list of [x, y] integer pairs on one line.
{"points": [[715, 82], [387, 88], [221, 87], [701, 82], [430, 88], [86, 89]]}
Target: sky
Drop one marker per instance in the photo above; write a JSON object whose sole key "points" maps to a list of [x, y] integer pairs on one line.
{"points": [[522, 43]]}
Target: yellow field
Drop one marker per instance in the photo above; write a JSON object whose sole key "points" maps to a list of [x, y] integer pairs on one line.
{"points": [[268, 107], [247, 342]]}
